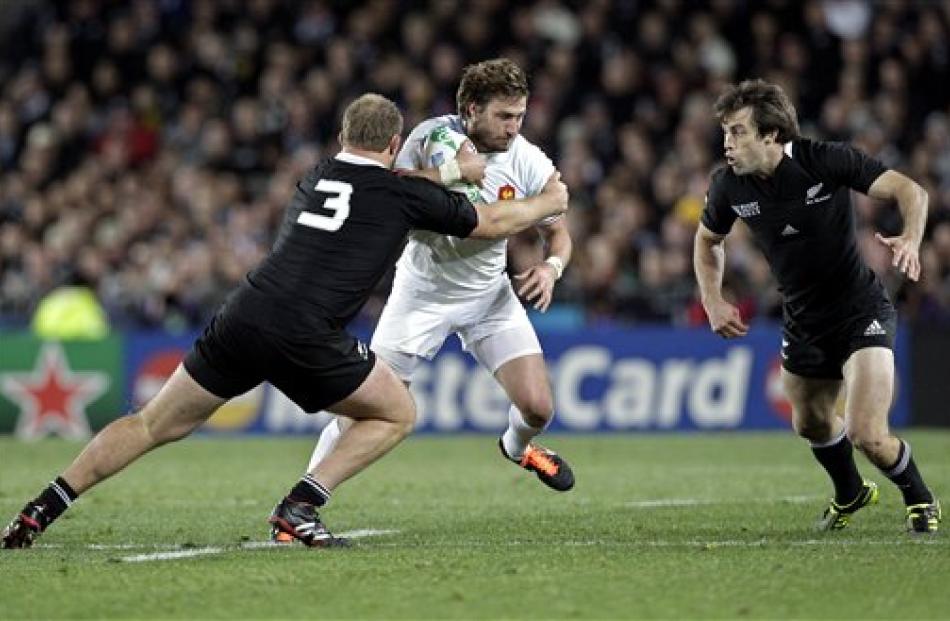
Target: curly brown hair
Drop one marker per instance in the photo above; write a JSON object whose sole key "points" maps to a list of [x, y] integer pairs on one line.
{"points": [[772, 111], [484, 81]]}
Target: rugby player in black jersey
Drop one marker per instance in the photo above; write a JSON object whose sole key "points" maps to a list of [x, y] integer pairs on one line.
{"points": [[342, 230], [839, 324]]}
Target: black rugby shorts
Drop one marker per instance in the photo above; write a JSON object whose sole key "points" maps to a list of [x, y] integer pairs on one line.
{"points": [[821, 355], [236, 352]]}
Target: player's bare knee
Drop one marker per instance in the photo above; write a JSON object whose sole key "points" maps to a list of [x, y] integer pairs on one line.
{"points": [[405, 419], [403, 414], [537, 409], [867, 440], [813, 429]]}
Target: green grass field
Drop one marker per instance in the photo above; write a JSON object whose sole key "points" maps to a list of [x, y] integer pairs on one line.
{"points": [[708, 526]]}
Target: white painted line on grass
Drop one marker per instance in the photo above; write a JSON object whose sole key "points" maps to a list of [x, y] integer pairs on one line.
{"points": [[652, 503], [366, 532], [908, 540], [257, 545], [349, 534], [246, 545], [133, 546], [691, 544], [168, 556], [667, 502]]}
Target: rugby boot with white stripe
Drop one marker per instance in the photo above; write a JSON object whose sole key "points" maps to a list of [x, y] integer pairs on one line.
{"points": [[301, 521], [25, 527]]}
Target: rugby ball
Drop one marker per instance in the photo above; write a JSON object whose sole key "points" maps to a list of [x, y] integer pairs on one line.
{"points": [[442, 145]]}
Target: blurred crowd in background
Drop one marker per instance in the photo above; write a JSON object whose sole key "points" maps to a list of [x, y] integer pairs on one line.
{"points": [[148, 147]]}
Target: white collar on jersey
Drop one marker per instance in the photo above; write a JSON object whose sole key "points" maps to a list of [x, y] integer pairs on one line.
{"points": [[788, 149], [359, 160]]}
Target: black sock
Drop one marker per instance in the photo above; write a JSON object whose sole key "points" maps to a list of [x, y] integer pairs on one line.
{"points": [[905, 476], [309, 490], [53, 500], [837, 458]]}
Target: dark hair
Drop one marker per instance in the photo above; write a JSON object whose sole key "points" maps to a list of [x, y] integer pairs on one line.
{"points": [[370, 122], [484, 81], [772, 111]]}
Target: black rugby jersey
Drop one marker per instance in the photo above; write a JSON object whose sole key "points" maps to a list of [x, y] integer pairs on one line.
{"points": [[801, 218], [342, 231]]}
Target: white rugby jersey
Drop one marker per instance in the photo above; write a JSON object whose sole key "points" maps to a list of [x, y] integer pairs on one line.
{"points": [[470, 264]]}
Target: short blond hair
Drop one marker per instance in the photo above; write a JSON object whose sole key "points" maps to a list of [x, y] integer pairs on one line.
{"points": [[370, 122]]}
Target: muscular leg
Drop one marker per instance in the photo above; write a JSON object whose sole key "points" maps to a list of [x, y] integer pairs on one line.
{"points": [[814, 419], [813, 406], [402, 364], [381, 413], [177, 410], [180, 406], [329, 436], [869, 381], [869, 389], [525, 380]]}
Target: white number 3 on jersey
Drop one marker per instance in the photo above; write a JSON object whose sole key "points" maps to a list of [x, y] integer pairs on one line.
{"points": [[338, 203]]}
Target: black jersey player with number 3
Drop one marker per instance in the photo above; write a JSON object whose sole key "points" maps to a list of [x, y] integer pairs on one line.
{"points": [[285, 324], [794, 195]]}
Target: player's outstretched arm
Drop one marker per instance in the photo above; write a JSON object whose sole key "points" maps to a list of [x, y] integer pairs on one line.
{"points": [[912, 202], [709, 263], [505, 218]]}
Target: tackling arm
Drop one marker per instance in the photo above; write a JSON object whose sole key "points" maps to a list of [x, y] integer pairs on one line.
{"points": [[505, 218]]}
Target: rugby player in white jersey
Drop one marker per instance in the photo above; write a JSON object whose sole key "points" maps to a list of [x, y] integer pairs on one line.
{"points": [[445, 284]]}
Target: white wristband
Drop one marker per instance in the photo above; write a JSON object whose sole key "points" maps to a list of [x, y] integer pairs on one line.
{"points": [[558, 265], [450, 173]]}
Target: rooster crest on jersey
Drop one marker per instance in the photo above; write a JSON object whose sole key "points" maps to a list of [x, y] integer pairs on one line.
{"points": [[441, 145]]}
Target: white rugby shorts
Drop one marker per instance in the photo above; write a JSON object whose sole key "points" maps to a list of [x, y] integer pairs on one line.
{"points": [[492, 325]]}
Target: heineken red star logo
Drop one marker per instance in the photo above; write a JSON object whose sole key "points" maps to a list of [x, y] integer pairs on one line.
{"points": [[52, 397]]}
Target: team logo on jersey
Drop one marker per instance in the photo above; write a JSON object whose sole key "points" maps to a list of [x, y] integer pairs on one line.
{"points": [[747, 210], [506, 193], [811, 194]]}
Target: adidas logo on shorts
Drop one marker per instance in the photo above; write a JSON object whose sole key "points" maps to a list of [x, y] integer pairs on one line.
{"points": [[875, 329]]}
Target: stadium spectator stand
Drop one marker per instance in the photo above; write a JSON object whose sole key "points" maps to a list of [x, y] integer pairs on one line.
{"points": [[147, 148]]}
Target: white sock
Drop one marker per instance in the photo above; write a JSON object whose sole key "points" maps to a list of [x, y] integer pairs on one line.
{"points": [[327, 442], [518, 435]]}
